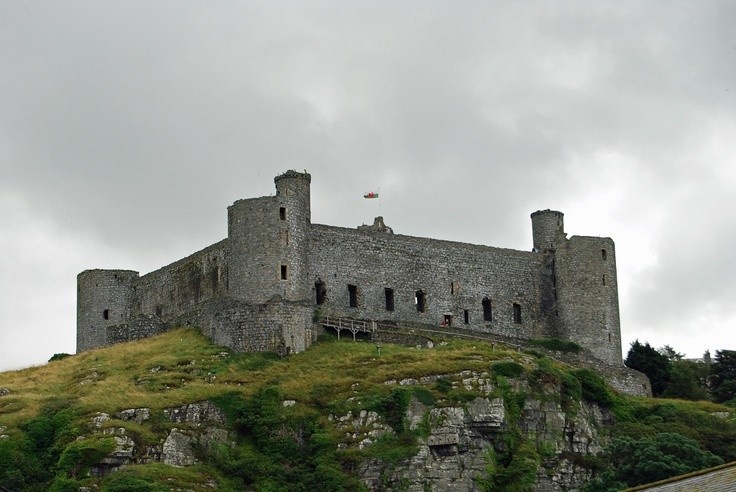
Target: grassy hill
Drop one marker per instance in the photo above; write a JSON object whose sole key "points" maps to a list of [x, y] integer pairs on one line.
{"points": [[283, 414]]}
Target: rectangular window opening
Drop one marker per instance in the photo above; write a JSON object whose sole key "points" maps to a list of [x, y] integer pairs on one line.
{"points": [[284, 272], [389, 293], [282, 213], [604, 280], [353, 295], [466, 316], [517, 313], [604, 254], [454, 288], [420, 299], [487, 309], [321, 290]]}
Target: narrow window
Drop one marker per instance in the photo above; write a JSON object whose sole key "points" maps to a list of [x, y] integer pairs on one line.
{"points": [[466, 316], [448, 320], [389, 298], [284, 272], [604, 280], [321, 290], [353, 294], [282, 213], [517, 313], [604, 255], [106, 314], [420, 299], [487, 310], [455, 288]]}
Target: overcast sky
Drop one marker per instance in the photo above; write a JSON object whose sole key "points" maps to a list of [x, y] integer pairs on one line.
{"points": [[127, 128]]}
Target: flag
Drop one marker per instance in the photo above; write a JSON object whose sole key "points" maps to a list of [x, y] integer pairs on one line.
{"points": [[371, 194]]}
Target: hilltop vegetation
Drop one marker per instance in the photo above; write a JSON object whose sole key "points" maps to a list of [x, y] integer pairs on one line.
{"points": [[289, 419]]}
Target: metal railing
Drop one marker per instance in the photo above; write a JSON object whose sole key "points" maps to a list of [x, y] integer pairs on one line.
{"points": [[354, 326]]}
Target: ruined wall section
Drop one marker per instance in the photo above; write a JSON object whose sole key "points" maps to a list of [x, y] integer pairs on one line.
{"points": [[104, 299], [283, 327], [587, 291], [175, 289], [454, 277]]}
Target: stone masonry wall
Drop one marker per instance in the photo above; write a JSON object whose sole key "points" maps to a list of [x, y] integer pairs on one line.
{"points": [[455, 278], [104, 299], [176, 288], [588, 295], [279, 326]]}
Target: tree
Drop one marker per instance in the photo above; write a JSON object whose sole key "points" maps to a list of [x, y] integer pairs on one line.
{"points": [[723, 376], [649, 459], [688, 380], [670, 353], [656, 366]]}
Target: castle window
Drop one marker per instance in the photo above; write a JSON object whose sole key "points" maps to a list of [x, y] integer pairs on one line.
{"points": [[282, 213], [487, 309], [604, 254], [604, 280], [389, 298], [420, 299], [106, 314], [448, 320], [517, 313], [321, 289], [284, 272], [353, 294], [455, 288], [466, 316]]}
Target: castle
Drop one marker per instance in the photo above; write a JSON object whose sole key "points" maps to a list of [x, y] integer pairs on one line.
{"points": [[261, 288]]}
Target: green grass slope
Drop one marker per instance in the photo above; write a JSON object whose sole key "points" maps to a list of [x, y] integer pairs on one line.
{"points": [[296, 448]]}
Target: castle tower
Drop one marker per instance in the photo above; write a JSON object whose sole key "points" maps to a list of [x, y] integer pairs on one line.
{"points": [[104, 299], [587, 290], [548, 228], [269, 239]]}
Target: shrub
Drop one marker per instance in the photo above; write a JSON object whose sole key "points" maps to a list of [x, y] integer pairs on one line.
{"points": [[507, 369], [443, 385], [122, 482], [79, 456], [59, 356], [556, 344], [593, 388]]}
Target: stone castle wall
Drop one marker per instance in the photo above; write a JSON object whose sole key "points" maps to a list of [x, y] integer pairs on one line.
{"points": [[454, 277]]}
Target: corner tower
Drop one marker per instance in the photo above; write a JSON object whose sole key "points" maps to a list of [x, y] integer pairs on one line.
{"points": [[104, 299], [548, 229], [269, 242]]}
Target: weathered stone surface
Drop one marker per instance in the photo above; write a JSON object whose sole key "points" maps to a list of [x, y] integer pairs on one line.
{"points": [[486, 413], [455, 453], [122, 455], [98, 421], [137, 415], [177, 449], [196, 414]]}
